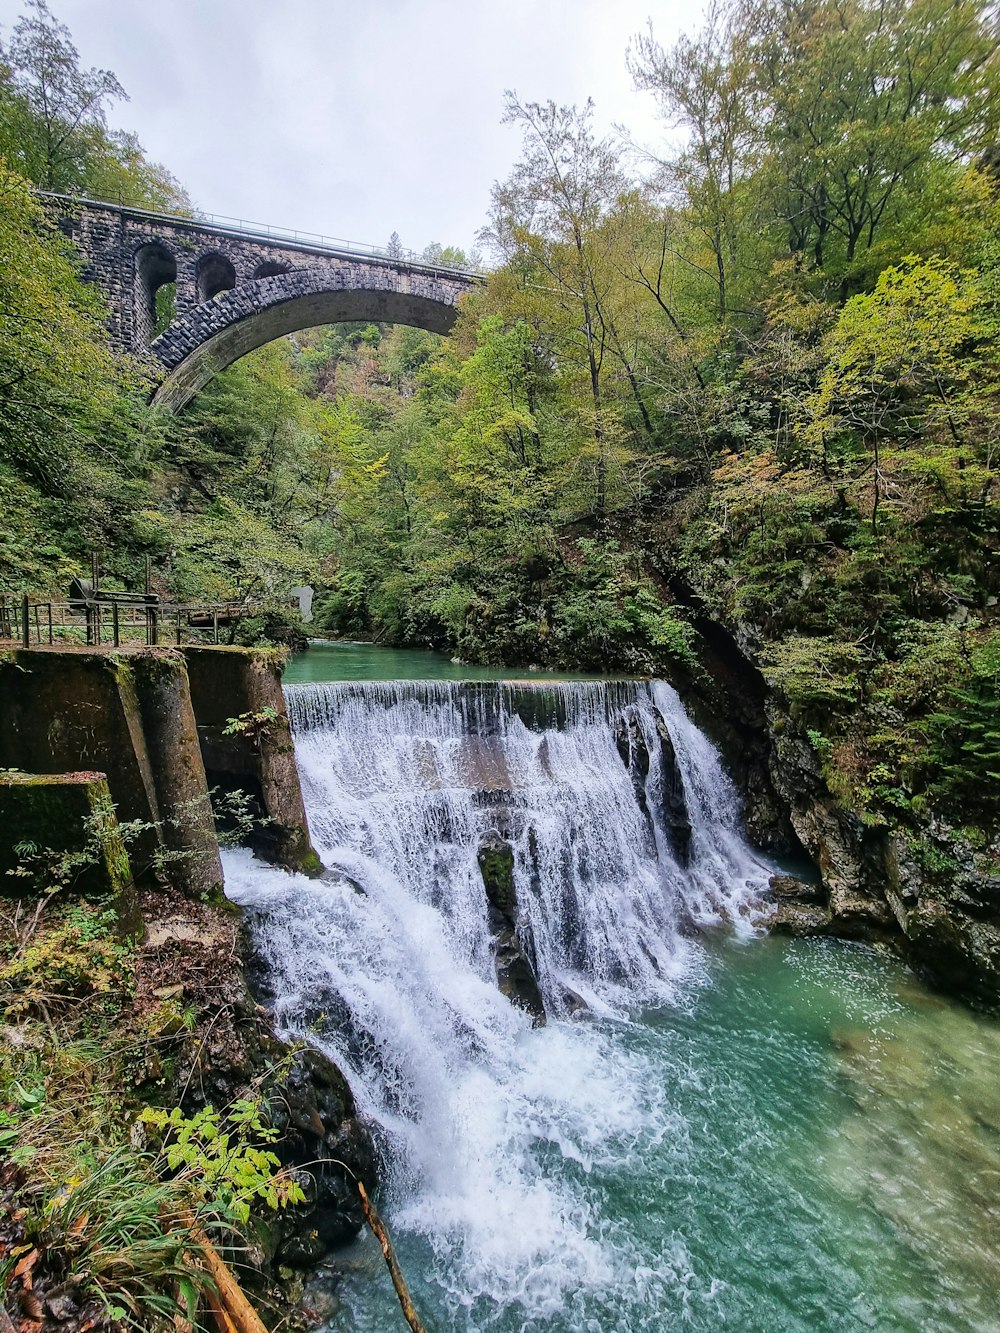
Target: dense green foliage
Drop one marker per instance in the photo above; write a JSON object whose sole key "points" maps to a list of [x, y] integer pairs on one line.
{"points": [[53, 121], [756, 380], [76, 444]]}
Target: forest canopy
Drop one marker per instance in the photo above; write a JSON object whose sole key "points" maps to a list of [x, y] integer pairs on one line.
{"points": [[747, 375]]}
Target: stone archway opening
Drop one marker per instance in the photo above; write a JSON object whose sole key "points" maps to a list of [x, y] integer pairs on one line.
{"points": [[271, 269], [214, 274], [155, 291]]}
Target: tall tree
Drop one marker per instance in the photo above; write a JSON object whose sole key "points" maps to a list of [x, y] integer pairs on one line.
{"points": [[59, 380], [864, 100], [703, 84], [548, 215], [53, 121], [63, 99]]}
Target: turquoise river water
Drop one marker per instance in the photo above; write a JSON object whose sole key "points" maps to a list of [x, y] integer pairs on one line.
{"points": [[748, 1133]]}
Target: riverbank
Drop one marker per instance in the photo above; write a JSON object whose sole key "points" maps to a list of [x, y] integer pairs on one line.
{"points": [[105, 1037]]}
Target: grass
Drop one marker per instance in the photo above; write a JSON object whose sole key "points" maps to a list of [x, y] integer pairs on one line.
{"points": [[96, 1206]]}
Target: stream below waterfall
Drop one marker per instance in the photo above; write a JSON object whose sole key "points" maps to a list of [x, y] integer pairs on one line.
{"points": [[737, 1131]]}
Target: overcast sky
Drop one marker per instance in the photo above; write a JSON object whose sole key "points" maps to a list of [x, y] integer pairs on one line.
{"points": [[357, 119]]}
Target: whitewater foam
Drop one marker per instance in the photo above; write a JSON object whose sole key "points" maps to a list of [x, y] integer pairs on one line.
{"points": [[389, 965]]}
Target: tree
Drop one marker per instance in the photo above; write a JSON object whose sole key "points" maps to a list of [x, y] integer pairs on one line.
{"points": [[59, 380], [704, 85], [863, 100], [547, 216], [118, 170], [395, 247], [446, 256], [902, 376], [53, 121], [63, 100]]}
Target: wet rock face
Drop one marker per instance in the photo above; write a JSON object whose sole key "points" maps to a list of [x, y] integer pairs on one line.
{"points": [[945, 919], [496, 865], [631, 746], [316, 1118], [950, 917], [787, 888], [800, 908], [675, 815], [850, 856], [634, 752], [800, 919], [514, 954], [201, 951]]}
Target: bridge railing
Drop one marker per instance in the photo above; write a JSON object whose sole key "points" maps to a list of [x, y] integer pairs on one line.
{"points": [[118, 621], [242, 229]]}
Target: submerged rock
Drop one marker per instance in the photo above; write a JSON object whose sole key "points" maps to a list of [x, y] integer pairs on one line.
{"points": [[575, 1005]]}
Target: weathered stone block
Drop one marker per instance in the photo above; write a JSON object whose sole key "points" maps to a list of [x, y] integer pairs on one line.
{"points": [[61, 814], [243, 685], [128, 715]]}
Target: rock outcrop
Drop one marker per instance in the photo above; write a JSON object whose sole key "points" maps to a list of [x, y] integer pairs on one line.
{"points": [[515, 967], [918, 886]]}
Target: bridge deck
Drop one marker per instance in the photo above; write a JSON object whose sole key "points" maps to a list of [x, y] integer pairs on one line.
{"points": [[307, 242]]}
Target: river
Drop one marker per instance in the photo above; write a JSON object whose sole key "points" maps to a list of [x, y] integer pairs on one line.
{"points": [[739, 1131]]}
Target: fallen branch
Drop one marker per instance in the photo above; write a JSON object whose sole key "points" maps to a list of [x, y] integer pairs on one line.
{"points": [[395, 1272], [233, 1312]]}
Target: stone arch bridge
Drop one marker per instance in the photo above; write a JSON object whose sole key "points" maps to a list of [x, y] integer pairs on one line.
{"points": [[237, 289]]}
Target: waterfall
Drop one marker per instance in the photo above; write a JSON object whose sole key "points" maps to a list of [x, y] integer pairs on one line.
{"points": [[623, 835]]}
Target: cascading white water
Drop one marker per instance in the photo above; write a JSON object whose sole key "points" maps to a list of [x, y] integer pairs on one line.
{"points": [[389, 964]]}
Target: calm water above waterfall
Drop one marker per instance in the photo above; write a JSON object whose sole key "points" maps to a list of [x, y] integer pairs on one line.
{"points": [[742, 1132], [346, 660]]}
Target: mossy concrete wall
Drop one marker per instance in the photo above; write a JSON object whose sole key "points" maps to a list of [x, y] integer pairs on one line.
{"points": [[69, 815], [258, 755], [128, 715]]}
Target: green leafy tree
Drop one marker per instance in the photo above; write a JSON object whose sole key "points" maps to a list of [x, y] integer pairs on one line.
{"points": [[902, 380], [864, 101], [60, 382], [59, 101], [704, 84], [53, 121], [546, 217]]}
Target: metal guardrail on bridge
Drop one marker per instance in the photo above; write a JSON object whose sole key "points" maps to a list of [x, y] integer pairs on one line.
{"points": [[117, 620], [241, 229]]}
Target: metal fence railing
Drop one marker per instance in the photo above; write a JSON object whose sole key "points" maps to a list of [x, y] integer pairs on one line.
{"points": [[242, 229], [117, 621]]}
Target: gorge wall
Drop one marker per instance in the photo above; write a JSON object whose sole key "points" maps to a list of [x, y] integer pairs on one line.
{"points": [[916, 885]]}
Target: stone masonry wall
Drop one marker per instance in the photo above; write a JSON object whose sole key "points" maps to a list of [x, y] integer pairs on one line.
{"points": [[236, 291]]}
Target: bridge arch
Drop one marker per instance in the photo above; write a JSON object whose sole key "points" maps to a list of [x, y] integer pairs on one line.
{"points": [[207, 339], [236, 288]]}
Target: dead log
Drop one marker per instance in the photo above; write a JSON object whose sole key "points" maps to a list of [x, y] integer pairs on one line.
{"points": [[395, 1272], [232, 1312]]}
